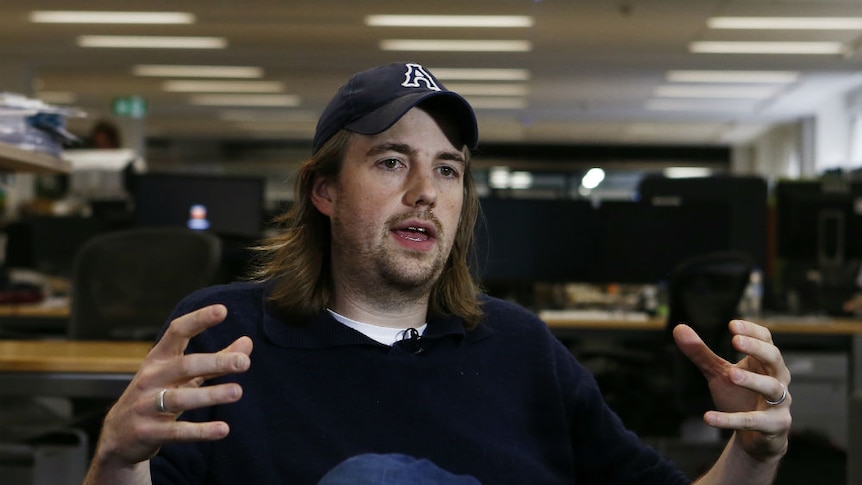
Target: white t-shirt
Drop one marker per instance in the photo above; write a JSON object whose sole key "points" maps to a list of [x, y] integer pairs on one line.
{"points": [[384, 335]]}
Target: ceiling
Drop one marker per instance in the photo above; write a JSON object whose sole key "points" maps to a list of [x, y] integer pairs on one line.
{"points": [[594, 65]]}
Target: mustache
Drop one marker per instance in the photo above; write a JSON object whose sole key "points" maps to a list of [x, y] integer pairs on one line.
{"points": [[422, 215]]}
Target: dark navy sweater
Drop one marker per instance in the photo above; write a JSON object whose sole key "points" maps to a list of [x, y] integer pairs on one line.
{"points": [[505, 403]]}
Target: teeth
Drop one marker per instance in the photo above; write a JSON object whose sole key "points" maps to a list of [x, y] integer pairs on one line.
{"points": [[416, 229]]}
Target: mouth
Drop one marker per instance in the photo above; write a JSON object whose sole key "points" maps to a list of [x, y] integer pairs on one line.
{"points": [[415, 231]]}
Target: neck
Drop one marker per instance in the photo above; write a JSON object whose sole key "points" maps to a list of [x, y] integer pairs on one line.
{"points": [[383, 308], [387, 314]]}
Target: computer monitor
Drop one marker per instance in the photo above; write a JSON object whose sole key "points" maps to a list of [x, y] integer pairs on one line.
{"points": [[818, 222], [642, 242], [48, 244], [226, 205], [747, 196], [615, 242], [533, 240]]}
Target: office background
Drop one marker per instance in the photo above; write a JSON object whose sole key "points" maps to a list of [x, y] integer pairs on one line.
{"points": [[642, 91]]}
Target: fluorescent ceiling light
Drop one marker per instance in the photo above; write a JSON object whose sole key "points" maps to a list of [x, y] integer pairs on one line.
{"points": [[57, 97], [449, 21], [689, 105], [262, 100], [776, 77], [223, 86], [465, 89], [298, 129], [456, 45], [479, 102], [99, 159], [292, 116], [766, 47], [722, 92], [152, 42], [502, 178], [686, 172], [592, 178], [156, 70], [786, 23], [464, 74], [520, 180], [94, 17]]}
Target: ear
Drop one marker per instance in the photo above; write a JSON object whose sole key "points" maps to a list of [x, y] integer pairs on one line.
{"points": [[322, 195]]}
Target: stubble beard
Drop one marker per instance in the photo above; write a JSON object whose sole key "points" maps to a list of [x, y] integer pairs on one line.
{"points": [[393, 275]]}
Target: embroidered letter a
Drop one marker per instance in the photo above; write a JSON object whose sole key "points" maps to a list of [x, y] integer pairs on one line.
{"points": [[416, 74]]}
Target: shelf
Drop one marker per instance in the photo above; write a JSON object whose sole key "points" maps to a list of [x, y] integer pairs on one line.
{"points": [[14, 159]]}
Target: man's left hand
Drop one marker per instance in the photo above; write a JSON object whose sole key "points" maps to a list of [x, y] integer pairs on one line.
{"points": [[752, 395]]}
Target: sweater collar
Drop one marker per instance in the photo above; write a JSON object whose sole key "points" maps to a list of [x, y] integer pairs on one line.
{"points": [[323, 331]]}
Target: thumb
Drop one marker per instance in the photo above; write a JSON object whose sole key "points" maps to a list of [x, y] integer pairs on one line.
{"points": [[693, 347]]}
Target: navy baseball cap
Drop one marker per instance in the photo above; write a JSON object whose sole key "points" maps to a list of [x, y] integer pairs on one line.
{"points": [[375, 99]]}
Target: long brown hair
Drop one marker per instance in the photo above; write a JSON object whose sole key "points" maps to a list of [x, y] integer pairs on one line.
{"points": [[298, 257]]}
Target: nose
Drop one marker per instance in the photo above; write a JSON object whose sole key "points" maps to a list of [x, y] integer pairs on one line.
{"points": [[421, 191]]}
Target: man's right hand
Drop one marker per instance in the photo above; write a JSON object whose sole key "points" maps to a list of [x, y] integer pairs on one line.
{"points": [[135, 428]]}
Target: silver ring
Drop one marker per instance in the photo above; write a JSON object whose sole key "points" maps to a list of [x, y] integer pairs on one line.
{"points": [[780, 399], [160, 402]]}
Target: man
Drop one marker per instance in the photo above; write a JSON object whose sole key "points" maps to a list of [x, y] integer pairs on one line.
{"points": [[372, 340]]}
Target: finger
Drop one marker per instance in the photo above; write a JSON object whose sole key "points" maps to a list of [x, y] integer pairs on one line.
{"points": [[186, 431], [773, 421], [242, 344], [178, 400], [193, 367], [750, 329], [183, 328], [766, 354], [769, 387], [693, 347]]}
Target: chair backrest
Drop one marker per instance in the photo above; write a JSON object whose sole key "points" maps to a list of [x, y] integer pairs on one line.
{"points": [[125, 283], [704, 292]]}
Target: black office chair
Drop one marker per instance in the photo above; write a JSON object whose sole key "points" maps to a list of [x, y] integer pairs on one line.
{"points": [[125, 283], [704, 292], [648, 381]]}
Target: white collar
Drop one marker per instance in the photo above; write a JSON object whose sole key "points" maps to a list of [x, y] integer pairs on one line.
{"points": [[384, 335]]}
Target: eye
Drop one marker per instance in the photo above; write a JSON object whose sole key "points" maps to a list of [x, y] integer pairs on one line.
{"points": [[448, 172], [391, 163]]}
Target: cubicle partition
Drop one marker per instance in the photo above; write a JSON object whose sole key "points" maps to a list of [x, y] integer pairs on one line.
{"points": [[565, 240]]}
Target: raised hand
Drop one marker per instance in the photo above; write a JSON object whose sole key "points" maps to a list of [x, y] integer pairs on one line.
{"points": [[751, 396], [168, 383]]}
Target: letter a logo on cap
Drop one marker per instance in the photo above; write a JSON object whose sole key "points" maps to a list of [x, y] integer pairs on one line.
{"points": [[416, 74]]}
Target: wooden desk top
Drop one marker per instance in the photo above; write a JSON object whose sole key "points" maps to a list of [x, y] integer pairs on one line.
{"points": [[72, 356], [785, 325], [36, 310]]}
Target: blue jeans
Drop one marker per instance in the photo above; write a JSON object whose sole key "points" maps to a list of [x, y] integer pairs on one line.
{"points": [[392, 469]]}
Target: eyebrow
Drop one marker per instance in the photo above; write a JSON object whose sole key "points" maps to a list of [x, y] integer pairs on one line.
{"points": [[406, 149]]}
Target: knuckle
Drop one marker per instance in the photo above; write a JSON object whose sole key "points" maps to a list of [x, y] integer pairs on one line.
{"points": [[221, 362], [176, 433], [140, 429]]}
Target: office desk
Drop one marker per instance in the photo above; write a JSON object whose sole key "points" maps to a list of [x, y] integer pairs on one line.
{"points": [[844, 328], [36, 310], [68, 368], [777, 325], [26, 320]]}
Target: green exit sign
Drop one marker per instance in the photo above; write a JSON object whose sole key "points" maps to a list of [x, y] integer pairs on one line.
{"points": [[129, 106]]}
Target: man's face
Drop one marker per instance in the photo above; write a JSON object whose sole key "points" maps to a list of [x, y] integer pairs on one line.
{"points": [[395, 206]]}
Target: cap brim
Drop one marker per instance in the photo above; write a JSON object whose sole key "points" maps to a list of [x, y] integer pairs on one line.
{"points": [[382, 118]]}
